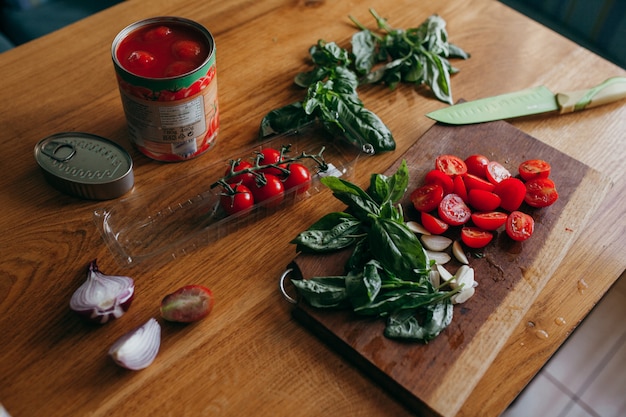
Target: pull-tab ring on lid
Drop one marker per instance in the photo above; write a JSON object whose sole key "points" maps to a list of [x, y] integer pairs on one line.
{"points": [[59, 151]]}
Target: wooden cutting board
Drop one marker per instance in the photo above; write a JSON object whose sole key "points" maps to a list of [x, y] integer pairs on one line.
{"points": [[435, 379]]}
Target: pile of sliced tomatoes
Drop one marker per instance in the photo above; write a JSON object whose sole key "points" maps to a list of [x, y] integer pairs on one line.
{"points": [[481, 196], [265, 182]]}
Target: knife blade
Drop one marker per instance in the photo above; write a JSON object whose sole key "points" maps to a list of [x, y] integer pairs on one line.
{"points": [[530, 101]]}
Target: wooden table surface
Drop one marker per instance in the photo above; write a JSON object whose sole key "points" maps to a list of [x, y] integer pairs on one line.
{"points": [[250, 357]]}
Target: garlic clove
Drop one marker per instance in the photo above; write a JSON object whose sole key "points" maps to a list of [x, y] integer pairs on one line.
{"points": [[459, 254], [440, 258], [436, 243], [463, 295], [417, 228], [138, 348]]}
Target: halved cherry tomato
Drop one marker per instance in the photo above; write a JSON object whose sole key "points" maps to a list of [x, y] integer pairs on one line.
{"points": [[475, 237], [460, 188], [477, 165], [519, 226], [427, 197], [483, 200], [490, 220], [240, 200], [496, 172], [453, 210], [247, 179], [474, 182], [272, 191], [433, 224], [540, 192], [534, 168], [451, 165], [511, 191], [436, 176], [299, 177]]}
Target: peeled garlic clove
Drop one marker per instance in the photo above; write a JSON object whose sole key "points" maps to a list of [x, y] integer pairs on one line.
{"points": [[444, 273], [415, 227], [459, 254], [440, 258], [138, 348], [463, 295], [436, 243], [103, 297], [464, 277], [435, 278]]}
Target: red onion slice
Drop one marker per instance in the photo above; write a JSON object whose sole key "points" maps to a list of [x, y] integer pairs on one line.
{"points": [[138, 348], [103, 297]]}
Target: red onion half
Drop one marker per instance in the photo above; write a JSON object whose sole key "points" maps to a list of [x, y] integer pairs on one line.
{"points": [[103, 297], [138, 348]]}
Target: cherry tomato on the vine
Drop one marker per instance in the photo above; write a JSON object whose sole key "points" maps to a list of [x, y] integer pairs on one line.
{"points": [[433, 224], [427, 197], [519, 226], [453, 210], [475, 237], [451, 165], [272, 191], [540, 192], [476, 165], [534, 168], [299, 177], [240, 200], [490, 220], [247, 179], [270, 156]]}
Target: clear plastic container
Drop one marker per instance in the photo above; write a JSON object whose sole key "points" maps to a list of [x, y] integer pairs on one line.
{"points": [[174, 219]]}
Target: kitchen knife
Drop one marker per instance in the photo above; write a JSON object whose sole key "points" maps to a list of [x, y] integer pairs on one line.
{"points": [[530, 101]]}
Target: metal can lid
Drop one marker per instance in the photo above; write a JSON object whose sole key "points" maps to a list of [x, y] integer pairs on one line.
{"points": [[85, 165]]}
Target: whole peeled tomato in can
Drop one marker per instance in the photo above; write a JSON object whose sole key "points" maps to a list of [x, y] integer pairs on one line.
{"points": [[166, 73]]}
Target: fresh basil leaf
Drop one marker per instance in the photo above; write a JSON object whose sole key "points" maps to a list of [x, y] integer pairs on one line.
{"points": [[364, 51], [305, 79], [284, 119], [363, 287], [404, 324], [322, 292], [358, 201], [342, 234], [397, 248]]}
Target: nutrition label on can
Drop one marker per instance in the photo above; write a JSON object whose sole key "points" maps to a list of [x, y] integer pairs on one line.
{"points": [[165, 122]]}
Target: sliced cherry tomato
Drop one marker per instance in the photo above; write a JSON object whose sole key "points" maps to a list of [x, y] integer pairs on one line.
{"points": [[247, 179], [459, 187], [427, 197], [453, 210], [451, 165], [483, 200], [240, 200], [477, 165], [272, 191], [270, 156], [511, 191], [439, 177], [534, 168], [540, 192], [299, 177], [496, 172], [475, 237], [490, 220], [519, 226], [474, 182], [433, 224], [187, 304]]}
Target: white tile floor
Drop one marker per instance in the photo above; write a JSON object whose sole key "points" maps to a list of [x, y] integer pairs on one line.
{"points": [[587, 375]]}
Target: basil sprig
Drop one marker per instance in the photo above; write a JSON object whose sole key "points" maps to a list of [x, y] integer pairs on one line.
{"points": [[387, 272], [416, 56]]}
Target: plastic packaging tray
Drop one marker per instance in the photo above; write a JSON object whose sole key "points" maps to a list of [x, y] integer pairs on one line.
{"points": [[174, 219]]}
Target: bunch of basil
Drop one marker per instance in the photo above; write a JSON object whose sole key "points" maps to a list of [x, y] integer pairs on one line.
{"points": [[417, 56], [387, 273]]}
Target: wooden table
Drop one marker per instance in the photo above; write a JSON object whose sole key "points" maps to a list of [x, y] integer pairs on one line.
{"points": [[250, 357]]}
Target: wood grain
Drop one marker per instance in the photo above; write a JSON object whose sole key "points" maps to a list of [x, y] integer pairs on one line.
{"points": [[249, 357]]}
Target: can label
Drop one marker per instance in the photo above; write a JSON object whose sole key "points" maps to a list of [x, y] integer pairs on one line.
{"points": [[170, 101]]}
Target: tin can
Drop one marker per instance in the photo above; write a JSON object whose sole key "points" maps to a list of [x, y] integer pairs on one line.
{"points": [[166, 73]]}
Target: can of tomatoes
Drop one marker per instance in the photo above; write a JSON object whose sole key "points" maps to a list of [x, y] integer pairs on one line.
{"points": [[166, 73]]}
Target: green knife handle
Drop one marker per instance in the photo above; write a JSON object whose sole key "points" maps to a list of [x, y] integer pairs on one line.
{"points": [[611, 90]]}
